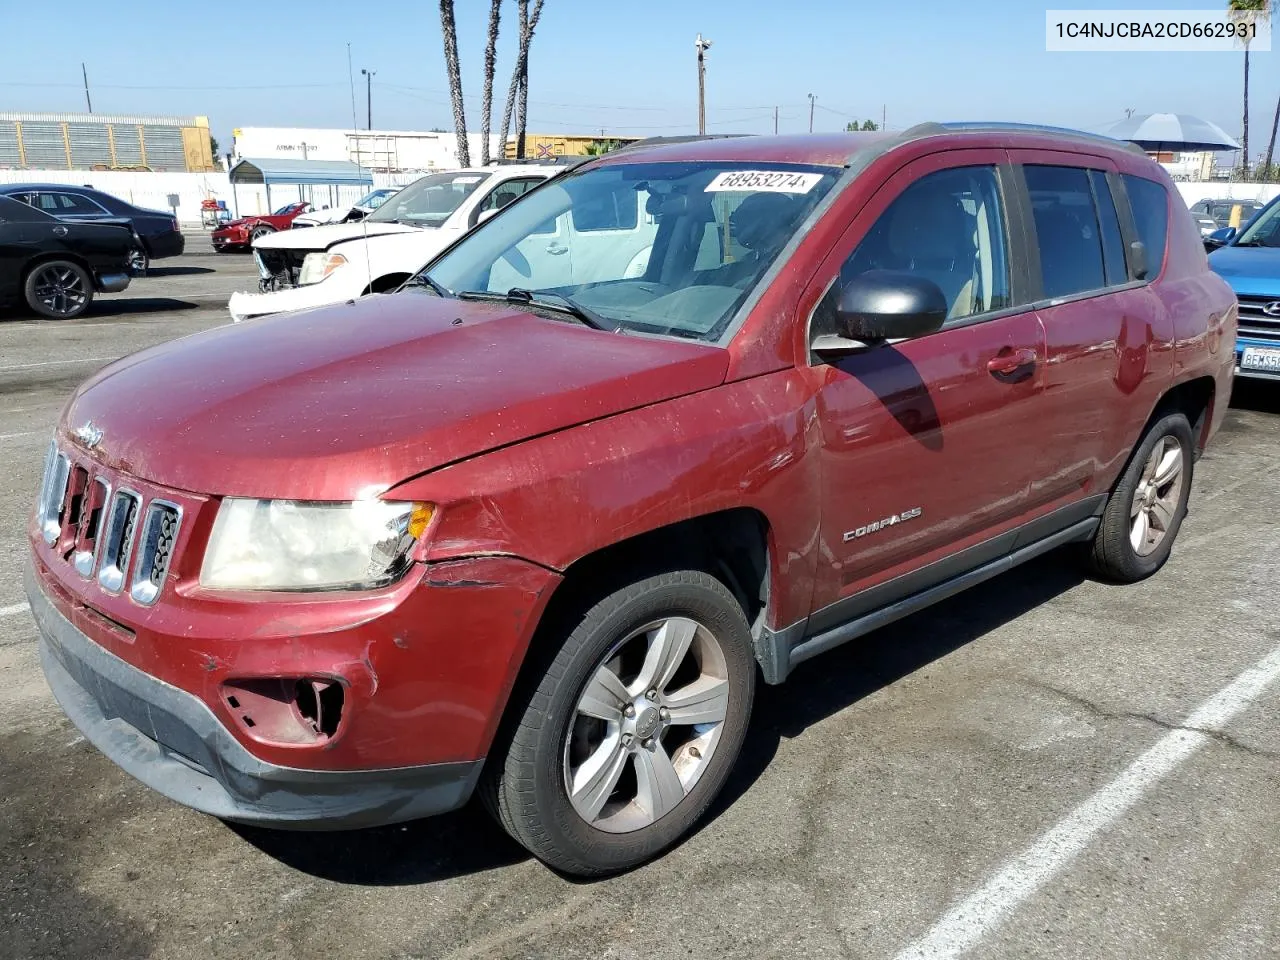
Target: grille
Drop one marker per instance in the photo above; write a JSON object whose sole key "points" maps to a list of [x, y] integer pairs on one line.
{"points": [[115, 537], [1255, 322]]}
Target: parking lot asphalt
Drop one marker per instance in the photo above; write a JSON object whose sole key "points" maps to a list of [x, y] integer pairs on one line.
{"points": [[1044, 766]]}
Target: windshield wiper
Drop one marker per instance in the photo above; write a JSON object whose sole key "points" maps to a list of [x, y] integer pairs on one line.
{"points": [[548, 300], [424, 280]]}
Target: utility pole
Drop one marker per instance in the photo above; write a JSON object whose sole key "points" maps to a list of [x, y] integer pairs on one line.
{"points": [[812, 98], [369, 75], [85, 72], [702, 46], [884, 116], [775, 121]]}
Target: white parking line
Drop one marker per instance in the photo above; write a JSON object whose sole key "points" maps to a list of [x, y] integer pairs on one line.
{"points": [[986, 908], [15, 436], [54, 363], [16, 608]]}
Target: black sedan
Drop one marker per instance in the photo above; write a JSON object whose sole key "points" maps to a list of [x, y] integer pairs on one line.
{"points": [[158, 235], [56, 267]]}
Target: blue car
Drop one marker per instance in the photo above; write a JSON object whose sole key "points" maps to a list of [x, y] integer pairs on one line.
{"points": [[1249, 260]]}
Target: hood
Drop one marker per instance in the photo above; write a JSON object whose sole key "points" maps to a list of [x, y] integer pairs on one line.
{"points": [[1249, 270], [234, 223], [321, 238], [329, 215], [347, 401]]}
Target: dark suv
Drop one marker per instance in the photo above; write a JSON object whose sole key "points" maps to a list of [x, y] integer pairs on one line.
{"points": [[537, 525]]}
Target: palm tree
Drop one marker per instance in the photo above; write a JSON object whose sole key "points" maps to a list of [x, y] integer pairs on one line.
{"points": [[518, 92], [454, 69], [490, 59], [1247, 11], [1266, 169]]}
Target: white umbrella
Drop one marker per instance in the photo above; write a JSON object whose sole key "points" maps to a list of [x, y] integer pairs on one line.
{"points": [[1170, 131]]}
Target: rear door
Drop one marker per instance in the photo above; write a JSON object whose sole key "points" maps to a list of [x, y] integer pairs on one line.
{"points": [[611, 234], [930, 445], [1100, 322]]}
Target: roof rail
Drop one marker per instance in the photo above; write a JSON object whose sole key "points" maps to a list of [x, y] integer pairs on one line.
{"points": [[936, 129]]}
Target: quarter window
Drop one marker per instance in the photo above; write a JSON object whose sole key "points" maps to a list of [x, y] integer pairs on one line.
{"points": [[71, 203], [1109, 225], [1066, 230], [948, 227], [1150, 205]]}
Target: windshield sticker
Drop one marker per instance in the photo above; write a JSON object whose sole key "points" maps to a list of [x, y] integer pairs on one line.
{"points": [[764, 181], [467, 179]]}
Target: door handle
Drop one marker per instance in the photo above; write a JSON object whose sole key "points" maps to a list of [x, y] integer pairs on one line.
{"points": [[556, 249], [59, 231], [1012, 365]]}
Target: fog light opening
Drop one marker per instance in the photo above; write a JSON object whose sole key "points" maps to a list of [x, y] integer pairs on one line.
{"points": [[320, 704]]}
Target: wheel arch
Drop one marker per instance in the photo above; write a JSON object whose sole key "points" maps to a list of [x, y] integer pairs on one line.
{"points": [[43, 258], [1196, 398], [386, 283]]}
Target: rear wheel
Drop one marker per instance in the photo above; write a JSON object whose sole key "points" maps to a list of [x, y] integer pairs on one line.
{"points": [[58, 289], [633, 728], [1148, 504]]}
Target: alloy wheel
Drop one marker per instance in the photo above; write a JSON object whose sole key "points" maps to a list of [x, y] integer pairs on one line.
{"points": [[61, 290], [646, 725], [1156, 498]]}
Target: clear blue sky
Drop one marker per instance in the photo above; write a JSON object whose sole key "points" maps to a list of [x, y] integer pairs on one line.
{"points": [[603, 64]]}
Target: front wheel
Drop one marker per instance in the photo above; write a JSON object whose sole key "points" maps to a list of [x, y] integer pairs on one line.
{"points": [[1148, 504], [259, 233], [58, 290], [633, 728]]}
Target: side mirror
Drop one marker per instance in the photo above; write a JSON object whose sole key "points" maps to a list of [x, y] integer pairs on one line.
{"points": [[884, 305], [1138, 260], [1219, 238], [484, 215]]}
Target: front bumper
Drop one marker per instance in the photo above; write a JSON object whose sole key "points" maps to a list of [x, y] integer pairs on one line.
{"points": [[172, 742], [1241, 343], [244, 306], [226, 241]]}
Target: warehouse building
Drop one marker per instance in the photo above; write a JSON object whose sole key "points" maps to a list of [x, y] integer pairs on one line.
{"points": [[91, 141]]}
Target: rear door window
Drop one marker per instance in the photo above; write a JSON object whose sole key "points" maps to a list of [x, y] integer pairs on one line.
{"points": [[1067, 233], [616, 209], [1150, 204]]}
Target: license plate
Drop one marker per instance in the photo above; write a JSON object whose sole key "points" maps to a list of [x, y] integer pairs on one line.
{"points": [[1260, 358]]}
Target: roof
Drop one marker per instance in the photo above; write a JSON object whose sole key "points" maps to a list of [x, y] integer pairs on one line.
{"points": [[25, 117], [272, 170], [838, 149]]}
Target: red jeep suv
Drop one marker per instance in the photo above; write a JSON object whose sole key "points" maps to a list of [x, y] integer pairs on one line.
{"points": [[535, 526]]}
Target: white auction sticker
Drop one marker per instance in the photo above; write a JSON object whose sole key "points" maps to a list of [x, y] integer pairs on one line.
{"points": [[764, 181], [467, 179]]}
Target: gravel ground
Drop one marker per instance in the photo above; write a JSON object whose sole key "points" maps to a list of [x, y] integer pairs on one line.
{"points": [[969, 778]]}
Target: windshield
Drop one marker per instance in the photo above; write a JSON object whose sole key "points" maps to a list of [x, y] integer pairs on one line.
{"points": [[1262, 230], [429, 201], [287, 208], [671, 248]]}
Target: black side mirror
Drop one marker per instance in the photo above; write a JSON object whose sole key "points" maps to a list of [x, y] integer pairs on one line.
{"points": [[1219, 238], [884, 305], [1138, 260]]}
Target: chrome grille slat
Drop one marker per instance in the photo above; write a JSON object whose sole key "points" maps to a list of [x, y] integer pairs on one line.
{"points": [[53, 497], [155, 550], [117, 542], [88, 540], [1255, 321]]}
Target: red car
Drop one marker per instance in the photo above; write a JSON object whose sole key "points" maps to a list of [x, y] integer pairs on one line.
{"points": [[535, 526], [240, 234]]}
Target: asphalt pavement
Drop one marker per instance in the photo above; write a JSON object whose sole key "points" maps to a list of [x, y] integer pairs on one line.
{"points": [[1043, 767]]}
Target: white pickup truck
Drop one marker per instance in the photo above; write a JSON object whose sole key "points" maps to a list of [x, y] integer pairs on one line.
{"points": [[316, 266]]}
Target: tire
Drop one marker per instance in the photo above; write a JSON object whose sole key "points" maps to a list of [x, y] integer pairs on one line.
{"points": [[58, 289], [709, 674], [139, 262], [1130, 546], [258, 233]]}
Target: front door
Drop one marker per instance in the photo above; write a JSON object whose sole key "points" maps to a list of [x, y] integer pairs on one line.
{"points": [[930, 445]]}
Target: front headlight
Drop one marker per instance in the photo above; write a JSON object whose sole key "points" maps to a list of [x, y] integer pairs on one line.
{"points": [[317, 266], [295, 545]]}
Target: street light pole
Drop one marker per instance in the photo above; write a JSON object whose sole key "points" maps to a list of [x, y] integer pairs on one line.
{"points": [[812, 98], [369, 74], [702, 46]]}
